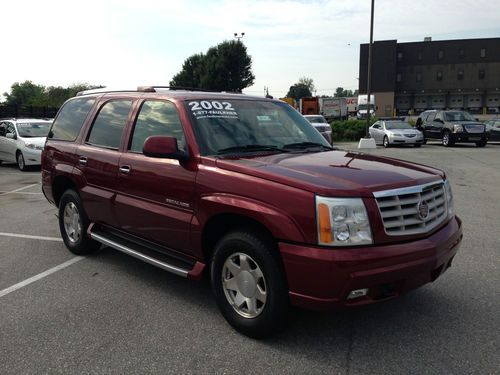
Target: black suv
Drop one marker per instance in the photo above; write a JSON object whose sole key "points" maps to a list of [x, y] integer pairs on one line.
{"points": [[451, 126]]}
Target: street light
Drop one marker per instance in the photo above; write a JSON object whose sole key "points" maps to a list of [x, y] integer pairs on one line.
{"points": [[239, 35]]}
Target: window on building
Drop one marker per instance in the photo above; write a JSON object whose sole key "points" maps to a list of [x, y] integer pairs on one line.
{"points": [[440, 54], [398, 77], [460, 75], [419, 56], [481, 74], [461, 53], [483, 52], [400, 56], [419, 77], [439, 75]]}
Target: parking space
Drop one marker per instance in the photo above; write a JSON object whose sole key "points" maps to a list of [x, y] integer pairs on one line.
{"points": [[110, 313]]}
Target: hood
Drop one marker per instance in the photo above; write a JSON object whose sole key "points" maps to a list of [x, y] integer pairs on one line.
{"points": [[39, 141], [334, 173]]}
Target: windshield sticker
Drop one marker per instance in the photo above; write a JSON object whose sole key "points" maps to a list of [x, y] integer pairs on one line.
{"points": [[212, 109], [264, 118]]}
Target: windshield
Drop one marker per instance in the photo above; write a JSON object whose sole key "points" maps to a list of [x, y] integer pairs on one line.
{"points": [[249, 126], [397, 125], [457, 116], [364, 106], [316, 119], [33, 129]]}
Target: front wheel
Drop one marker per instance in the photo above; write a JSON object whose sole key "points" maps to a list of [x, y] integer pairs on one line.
{"points": [[447, 141], [249, 284], [20, 161], [481, 144], [73, 223], [386, 142]]}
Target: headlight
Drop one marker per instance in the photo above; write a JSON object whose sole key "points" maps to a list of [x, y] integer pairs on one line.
{"points": [[33, 146], [449, 198], [342, 222], [457, 128]]}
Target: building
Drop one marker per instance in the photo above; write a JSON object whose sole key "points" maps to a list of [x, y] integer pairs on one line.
{"points": [[408, 78]]}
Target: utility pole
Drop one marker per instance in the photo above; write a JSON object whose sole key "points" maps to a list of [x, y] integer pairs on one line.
{"points": [[369, 80]]}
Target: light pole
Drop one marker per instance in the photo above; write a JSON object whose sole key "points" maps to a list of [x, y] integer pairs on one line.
{"points": [[368, 142], [239, 35]]}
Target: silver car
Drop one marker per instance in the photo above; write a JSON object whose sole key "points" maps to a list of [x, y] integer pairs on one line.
{"points": [[395, 132], [321, 125]]}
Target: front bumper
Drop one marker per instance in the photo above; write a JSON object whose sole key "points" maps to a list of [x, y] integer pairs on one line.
{"points": [[406, 140], [468, 137], [31, 156], [321, 279]]}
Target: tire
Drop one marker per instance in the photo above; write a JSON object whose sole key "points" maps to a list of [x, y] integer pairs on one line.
{"points": [[20, 161], [385, 142], [481, 143], [447, 141], [73, 224], [256, 302]]}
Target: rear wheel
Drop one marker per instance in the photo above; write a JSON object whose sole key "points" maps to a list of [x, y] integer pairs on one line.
{"points": [[249, 284], [447, 141], [386, 142], [73, 223], [20, 161]]}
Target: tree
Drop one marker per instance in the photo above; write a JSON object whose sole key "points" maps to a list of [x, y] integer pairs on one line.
{"points": [[299, 91], [225, 67], [307, 82], [341, 93]]}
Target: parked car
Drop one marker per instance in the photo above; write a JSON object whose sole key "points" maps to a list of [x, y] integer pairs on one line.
{"points": [[493, 130], [247, 190], [451, 126], [22, 141], [321, 125], [395, 131]]}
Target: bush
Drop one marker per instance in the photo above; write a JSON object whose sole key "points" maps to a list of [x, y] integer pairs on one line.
{"points": [[350, 130]]}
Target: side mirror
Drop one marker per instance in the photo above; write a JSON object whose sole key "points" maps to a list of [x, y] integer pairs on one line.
{"points": [[160, 146], [11, 135]]}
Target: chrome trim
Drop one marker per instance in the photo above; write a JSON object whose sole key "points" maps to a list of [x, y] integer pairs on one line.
{"points": [[406, 190], [115, 245]]}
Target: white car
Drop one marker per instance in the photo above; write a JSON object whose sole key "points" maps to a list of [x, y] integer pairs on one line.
{"points": [[321, 125], [395, 132], [22, 141]]}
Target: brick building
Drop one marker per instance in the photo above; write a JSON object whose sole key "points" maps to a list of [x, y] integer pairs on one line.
{"points": [[413, 77]]}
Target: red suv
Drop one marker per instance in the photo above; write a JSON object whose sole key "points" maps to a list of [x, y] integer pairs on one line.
{"points": [[247, 190]]}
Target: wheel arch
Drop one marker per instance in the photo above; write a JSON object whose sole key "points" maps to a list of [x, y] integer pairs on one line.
{"points": [[60, 185]]}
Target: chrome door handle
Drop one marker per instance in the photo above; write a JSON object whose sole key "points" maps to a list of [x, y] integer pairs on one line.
{"points": [[83, 160], [125, 169]]}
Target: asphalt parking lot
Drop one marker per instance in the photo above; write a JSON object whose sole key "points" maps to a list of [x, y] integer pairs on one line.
{"points": [[110, 313]]}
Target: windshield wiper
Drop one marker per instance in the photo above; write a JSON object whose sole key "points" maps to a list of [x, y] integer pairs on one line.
{"points": [[249, 148], [307, 146]]}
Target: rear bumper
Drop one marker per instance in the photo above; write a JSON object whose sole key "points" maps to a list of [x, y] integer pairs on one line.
{"points": [[321, 279]]}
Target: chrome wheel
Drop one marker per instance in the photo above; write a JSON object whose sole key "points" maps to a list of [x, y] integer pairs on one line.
{"points": [[72, 222], [386, 142], [244, 285]]}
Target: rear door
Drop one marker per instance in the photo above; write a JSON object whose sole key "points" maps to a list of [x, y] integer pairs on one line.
{"points": [[98, 160], [155, 196], [429, 127]]}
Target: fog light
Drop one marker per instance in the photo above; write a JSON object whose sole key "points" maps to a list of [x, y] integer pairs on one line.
{"points": [[356, 293]]}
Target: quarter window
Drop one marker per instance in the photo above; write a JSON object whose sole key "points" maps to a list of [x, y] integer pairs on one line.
{"points": [[157, 118], [109, 124]]}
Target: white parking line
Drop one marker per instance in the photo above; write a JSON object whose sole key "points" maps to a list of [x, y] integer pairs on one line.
{"points": [[31, 237], [19, 192], [50, 271], [16, 190]]}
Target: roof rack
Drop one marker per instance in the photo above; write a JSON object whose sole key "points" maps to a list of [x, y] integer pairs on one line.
{"points": [[101, 90], [181, 88]]}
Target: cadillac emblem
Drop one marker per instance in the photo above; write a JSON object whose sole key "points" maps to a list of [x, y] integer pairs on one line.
{"points": [[423, 210]]}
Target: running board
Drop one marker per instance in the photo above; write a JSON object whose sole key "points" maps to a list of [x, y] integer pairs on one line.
{"points": [[160, 260]]}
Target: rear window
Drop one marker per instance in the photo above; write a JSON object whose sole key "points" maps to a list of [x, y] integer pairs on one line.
{"points": [[70, 120]]}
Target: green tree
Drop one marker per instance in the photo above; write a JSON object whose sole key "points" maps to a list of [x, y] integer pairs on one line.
{"points": [[307, 82], [225, 67], [25, 93], [298, 91], [341, 93]]}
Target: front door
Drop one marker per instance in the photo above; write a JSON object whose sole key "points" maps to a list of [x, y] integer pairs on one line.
{"points": [[155, 196]]}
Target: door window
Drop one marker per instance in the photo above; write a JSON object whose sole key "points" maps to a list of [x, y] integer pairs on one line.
{"points": [[431, 116], [157, 118], [109, 124]]}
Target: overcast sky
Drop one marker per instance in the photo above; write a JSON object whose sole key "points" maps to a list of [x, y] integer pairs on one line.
{"points": [[125, 43]]}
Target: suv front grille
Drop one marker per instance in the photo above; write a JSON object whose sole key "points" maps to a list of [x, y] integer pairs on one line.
{"points": [[474, 128], [403, 210]]}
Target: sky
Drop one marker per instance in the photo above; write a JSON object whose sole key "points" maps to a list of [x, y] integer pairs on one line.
{"points": [[122, 44]]}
